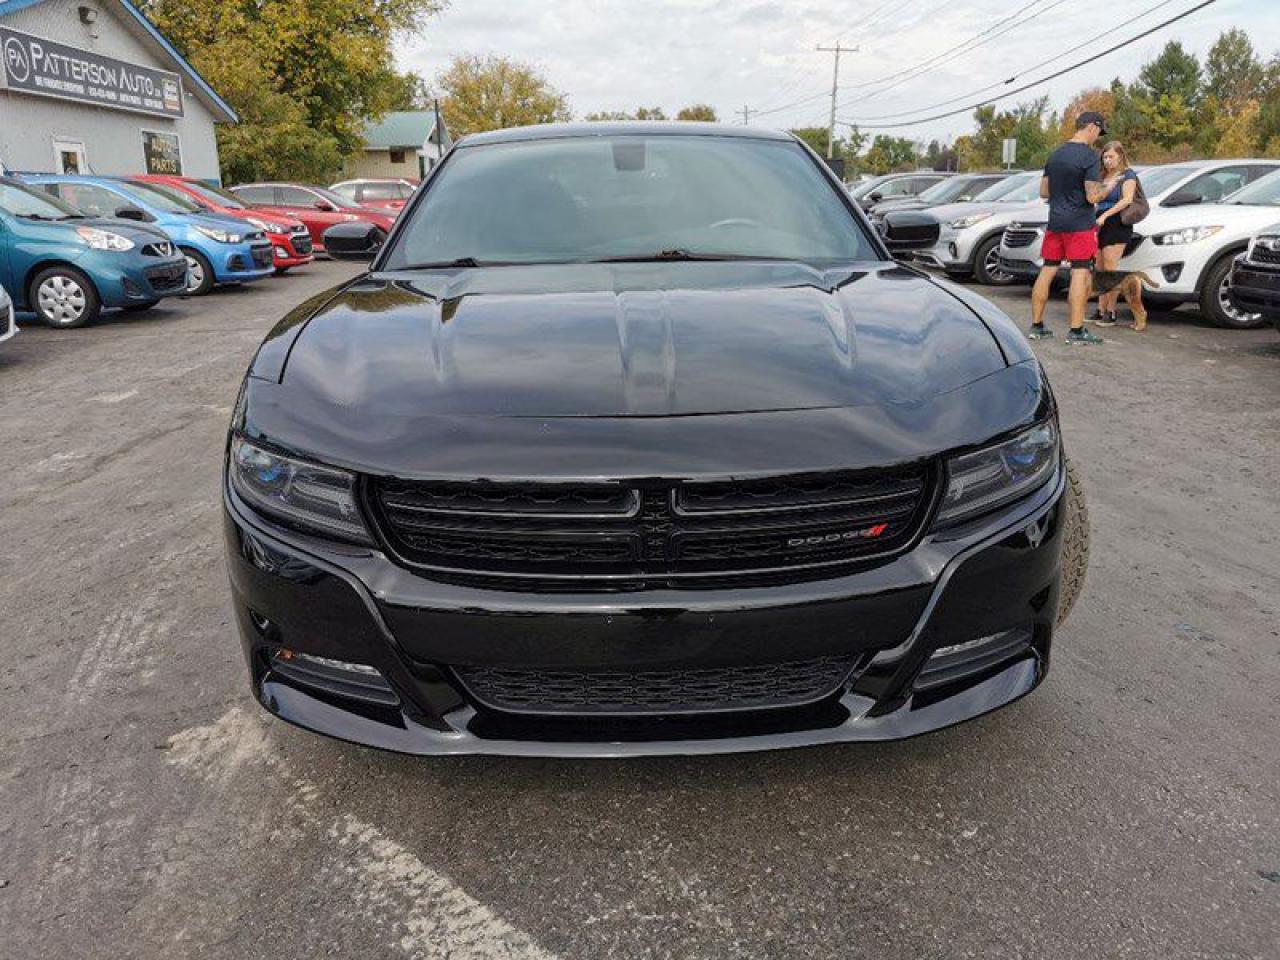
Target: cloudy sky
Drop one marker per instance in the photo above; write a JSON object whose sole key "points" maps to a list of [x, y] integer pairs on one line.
{"points": [[619, 54]]}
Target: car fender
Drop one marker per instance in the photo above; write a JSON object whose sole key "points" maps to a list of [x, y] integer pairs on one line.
{"points": [[23, 297]]}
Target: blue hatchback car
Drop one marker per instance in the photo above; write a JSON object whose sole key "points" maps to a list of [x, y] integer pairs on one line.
{"points": [[218, 249], [65, 267]]}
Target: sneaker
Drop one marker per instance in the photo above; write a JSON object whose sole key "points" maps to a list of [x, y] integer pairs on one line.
{"points": [[1083, 336], [1105, 320], [1039, 331]]}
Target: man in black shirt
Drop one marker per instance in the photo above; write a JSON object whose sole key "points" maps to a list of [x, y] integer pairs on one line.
{"points": [[1072, 185]]}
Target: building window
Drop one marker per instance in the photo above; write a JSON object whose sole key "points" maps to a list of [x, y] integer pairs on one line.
{"points": [[397, 156]]}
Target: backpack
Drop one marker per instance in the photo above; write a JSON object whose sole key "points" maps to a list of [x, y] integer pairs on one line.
{"points": [[1137, 211]]}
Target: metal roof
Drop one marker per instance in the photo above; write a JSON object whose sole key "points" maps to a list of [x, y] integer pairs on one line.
{"points": [[402, 129]]}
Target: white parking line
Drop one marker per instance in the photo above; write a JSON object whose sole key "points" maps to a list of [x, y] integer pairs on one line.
{"points": [[431, 916]]}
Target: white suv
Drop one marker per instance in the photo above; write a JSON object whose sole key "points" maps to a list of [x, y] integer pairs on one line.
{"points": [[1188, 242]]}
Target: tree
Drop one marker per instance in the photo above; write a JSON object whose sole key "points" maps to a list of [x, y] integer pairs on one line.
{"points": [[1098, 99], [816, 138], [1173, 76], [304, 76], [604, 116], [888, 154], [699, 111], [1233, 72], [409, 91], [1239, 134], [489, 93]]}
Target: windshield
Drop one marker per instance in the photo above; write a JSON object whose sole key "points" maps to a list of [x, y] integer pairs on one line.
{"points": [[1157, 180], [579, 199], [944, 190], [337, 199], [22, 201], [217, 196], [1261, 193], [864, 188], [1002, 188], [173, 193], [162, 198]]}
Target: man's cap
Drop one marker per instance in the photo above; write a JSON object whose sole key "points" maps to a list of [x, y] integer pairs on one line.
{"points": [[1091, 116]]}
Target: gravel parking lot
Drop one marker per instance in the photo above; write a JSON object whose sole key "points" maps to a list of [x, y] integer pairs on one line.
{"points": [[148, 808]]}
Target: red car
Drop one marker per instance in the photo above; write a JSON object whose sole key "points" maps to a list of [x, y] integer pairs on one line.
{"points": [[317, 207], [383, 194], [290, 240]]}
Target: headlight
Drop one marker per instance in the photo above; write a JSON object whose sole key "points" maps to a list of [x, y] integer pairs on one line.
{"points": [[316, 498], [104, 239], [964, 223], [221, 235], [1189, 235], [268, 227], [985, 479]]}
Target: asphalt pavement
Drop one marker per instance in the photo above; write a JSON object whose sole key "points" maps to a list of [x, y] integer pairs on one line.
{"points": [[149, 809]]}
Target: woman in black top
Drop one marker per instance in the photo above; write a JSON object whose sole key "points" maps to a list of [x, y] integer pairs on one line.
{"points": [[1113, 233]]}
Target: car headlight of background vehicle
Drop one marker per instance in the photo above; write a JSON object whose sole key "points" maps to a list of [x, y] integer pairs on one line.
{"points": [[964, 223], [1186, 235], [99, 239], [989, 478], [221, 235], [268, 227], [303, 494]]}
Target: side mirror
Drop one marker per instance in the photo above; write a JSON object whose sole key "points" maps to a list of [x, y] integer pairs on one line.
{"points": [[904, 230], [354, 240], [131, 213], [323, 205], [875, 196], [1182, 198]]}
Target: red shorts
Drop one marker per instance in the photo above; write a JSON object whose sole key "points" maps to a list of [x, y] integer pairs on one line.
{"points": [[1079, 246]]}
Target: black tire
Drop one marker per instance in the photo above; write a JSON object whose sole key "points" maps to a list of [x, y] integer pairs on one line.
{"points": [[1075, 544], [139, 307], [1215, 302], [69, 298], [200, 277], [958, 276], [281, 271], [985, 269]]}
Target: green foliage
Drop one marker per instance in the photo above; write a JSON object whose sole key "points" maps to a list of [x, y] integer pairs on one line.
{"points": [[1174, 75], [489, 93], [888, 154], [304, 76], [1233, 72], [702, 112], [845, 148], [1028, 123]]}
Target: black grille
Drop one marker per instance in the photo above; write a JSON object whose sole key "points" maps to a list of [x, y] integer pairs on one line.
{"points": [[603, 536], [301, 242], [262, 255], [172, 277], [1263, 254], [752, 687], [158, 249], [1020, 238]]}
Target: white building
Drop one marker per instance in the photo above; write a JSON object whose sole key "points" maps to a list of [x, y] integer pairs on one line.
{"points": [[91, 86]]}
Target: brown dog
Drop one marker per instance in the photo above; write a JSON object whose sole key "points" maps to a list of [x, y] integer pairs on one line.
{"points": [[1130, 284]]}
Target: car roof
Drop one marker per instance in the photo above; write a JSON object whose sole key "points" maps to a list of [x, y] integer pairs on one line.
{"points": [[613, 128]]}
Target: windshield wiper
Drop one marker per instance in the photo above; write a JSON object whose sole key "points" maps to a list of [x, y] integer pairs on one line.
{"points": [[441, 264]]}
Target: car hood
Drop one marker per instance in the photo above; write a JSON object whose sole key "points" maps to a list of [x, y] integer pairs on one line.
{"points": [[1233, 217], [631, 340], [954, 211], [217, 220], [674, 370], [137, 232]]}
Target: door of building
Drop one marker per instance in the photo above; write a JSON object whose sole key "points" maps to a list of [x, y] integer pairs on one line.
{"points": [[68, 157]]}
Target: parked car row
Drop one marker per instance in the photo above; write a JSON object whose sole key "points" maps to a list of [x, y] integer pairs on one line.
{"points": [[1203, 216], [72, 245]]}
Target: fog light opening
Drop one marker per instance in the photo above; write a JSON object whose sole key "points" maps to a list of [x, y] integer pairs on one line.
{"points": [[342, 678], [960, 660], [260, 623]]}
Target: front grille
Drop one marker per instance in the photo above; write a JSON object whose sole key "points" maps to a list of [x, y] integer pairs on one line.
{"points": [[301, 242], [262, 255], [172, 277], [1263, 254], [625, 536], [752, 687], [1020, 237], [161, 249]]}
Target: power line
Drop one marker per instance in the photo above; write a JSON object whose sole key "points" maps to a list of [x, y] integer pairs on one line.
{"points": [[1034, 83], [957, 52], [1035, 66]]}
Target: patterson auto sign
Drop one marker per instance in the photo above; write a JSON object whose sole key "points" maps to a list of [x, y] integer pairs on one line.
{"points": [[45, 68]]}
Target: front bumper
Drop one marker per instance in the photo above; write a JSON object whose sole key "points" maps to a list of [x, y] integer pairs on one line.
{"points": [[1176, 268], [953, 252], [354, 605], [138, 279], [242, 262], [1256, 289], [290, 250]]}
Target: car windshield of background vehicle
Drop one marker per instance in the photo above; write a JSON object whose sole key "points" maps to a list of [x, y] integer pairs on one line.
{"points": [[1261, 193], [1159, 179], [944, 190], [1002, 189], [336, 199], [1024, 192], [582, 199], [173, 193], [20, 201], [217, 196], [159, 198]]}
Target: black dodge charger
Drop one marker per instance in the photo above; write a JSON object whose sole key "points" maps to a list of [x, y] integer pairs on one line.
{"points": [[635, 439]]}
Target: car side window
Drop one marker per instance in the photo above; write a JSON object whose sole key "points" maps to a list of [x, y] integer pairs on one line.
{"points": [[347, 190], [1213, 186], [1259, 170], [921, 184], [91, 200], [379, 191], [256, 194], [895, 188], [296, 197]]}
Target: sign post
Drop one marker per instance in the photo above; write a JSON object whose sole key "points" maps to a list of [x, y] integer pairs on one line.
{"points": [[1010, 152]]}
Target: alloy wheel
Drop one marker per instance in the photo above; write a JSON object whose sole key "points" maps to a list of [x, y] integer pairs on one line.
{"points": [[61, 300], [993, 268], [195, 274], [1230, 309]]}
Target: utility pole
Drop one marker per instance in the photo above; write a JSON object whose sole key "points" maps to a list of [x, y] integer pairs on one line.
{"points": [[835, 85], [746, 114]]}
